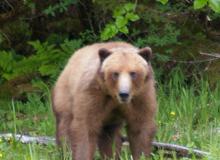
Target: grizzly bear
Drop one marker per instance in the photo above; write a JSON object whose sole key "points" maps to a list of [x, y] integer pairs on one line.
{"points": [[104, 86]]}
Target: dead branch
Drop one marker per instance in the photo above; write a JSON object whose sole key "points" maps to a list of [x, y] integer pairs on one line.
{"points": [[180, 150], [195, 61], [168, 148], [216, 55]]}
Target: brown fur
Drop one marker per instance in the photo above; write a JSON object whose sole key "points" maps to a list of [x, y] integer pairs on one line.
{"points": [[87, 112]]}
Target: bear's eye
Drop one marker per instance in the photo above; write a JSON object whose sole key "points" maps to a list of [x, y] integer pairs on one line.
{"points": [[133, 75], [115, 75]]}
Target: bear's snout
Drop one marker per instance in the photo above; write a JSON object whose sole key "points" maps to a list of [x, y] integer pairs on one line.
{"points": [[124, 96], [124, 88]]}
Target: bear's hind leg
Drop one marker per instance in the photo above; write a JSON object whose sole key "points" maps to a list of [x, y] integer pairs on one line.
{"points": [[62, 124], [61, 104]]}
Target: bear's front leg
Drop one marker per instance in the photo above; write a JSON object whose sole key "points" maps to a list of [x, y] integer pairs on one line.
{"points": [[110, 136], [140, 135], [83, 142]]}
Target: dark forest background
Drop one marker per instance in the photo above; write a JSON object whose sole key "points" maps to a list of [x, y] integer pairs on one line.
{"points": [[37, 37]]}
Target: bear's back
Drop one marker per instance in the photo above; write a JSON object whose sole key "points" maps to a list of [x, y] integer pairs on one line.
{"points": [[83, 65]]}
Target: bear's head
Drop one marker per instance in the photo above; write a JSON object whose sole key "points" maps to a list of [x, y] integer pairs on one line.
{"points": [[124, 72]]}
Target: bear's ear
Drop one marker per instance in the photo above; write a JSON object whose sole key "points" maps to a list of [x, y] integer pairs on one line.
{"points": [[146, 53], [103, 54]]}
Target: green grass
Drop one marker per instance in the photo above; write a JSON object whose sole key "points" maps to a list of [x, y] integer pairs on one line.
{"points": [[188, 115]]}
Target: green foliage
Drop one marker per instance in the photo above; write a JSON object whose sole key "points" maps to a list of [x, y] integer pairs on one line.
{"points": [[1, 38], [30, 4], [122, 15], [198, 4], [89, 37], [169, 29], [47, 60], [167, 36], [163, 1], [60, 7], [161, 34], [6, 61], [213, 4]]}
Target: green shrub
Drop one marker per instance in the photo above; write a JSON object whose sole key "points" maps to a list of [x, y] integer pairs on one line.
{"points": [[46, 61]]}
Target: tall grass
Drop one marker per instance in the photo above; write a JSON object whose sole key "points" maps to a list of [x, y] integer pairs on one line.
{"points": [[188, 114]]}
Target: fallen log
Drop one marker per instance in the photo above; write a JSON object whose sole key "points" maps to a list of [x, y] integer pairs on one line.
{"points": [[45, 140], [180, 151]]}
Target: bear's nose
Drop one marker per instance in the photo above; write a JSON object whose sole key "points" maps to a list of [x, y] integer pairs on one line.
{"points": [[124, 96]]}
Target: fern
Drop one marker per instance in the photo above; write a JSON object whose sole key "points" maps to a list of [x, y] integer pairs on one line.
{"points": [[47, 60], [70, 45], [6, 61]]}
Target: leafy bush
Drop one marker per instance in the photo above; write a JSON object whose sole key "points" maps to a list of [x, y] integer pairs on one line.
{"points": [[213, 4], [198, 4], [47, 60], [60, 7], [122, 15]]}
